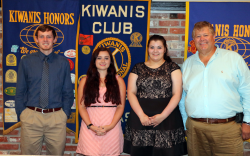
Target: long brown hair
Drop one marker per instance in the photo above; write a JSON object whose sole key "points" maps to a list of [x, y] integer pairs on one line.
{"points": [[91, 87]]}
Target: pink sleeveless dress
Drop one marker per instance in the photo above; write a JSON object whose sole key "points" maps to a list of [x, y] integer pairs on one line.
{"points": [[110, 144]]}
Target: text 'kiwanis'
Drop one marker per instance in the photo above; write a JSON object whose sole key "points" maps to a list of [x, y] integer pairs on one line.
{"points": [[35, 17], [112, 11]]}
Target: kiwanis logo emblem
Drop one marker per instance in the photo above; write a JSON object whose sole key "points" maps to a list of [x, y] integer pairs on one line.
{"points": [[136, 39], [234, 44], [120, 53]]}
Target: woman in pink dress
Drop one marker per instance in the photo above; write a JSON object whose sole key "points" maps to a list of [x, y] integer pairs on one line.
{"points": [[101, 101]]}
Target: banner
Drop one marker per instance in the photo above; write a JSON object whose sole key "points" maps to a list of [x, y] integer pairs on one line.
{"points": [[20, 20], [230, 21], [121, 25]]}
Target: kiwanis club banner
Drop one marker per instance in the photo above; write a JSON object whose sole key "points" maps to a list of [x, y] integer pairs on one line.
{"points": [[121, 25], [230, 21], [20, 20]]}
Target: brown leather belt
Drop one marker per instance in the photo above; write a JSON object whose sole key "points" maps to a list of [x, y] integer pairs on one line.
{"points": [[44, 110], [214, 121]]}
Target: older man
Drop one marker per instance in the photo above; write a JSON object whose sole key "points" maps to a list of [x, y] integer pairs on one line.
{"points": [[44, 96], [216, 86]]}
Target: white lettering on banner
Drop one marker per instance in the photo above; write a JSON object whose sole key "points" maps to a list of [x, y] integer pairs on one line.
{"points": [[124, 12], [112, 11], [101, 10], [127, 28], [109, 11], [131, 11], [140, 11], [85, 9], [126, 117], [93, 28]]}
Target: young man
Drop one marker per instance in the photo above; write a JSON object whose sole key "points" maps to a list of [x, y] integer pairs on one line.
{"points": [[44, 96], [216, 86]]}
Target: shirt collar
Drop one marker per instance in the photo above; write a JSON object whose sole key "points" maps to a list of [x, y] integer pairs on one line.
{"points": [[214, 55], [42, 55]]}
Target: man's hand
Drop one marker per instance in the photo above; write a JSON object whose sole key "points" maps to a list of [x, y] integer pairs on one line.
{"points": [[245, 131]]}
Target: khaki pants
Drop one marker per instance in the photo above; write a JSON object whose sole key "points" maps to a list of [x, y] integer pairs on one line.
{"points": [[214, 139], [48, 127]]}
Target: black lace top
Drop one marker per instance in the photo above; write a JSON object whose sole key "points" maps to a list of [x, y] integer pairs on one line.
{"points": [[154, 83]]}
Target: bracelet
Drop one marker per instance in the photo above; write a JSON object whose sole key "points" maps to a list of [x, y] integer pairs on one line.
{"points": [[88, 126]]}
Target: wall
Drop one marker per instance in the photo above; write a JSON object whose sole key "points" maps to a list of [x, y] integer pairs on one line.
{"points": [[172, 27], [169, 25]]}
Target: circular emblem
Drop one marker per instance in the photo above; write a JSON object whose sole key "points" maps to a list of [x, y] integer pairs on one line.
{"points": [[136, 39], [71, 64], [120, 53], [11, 91], [86, 50], [238, 45], [10, 103], [29, 40], [71, 53], [79, 79]]}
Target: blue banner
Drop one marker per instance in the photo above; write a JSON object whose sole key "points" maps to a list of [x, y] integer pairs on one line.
{"points": [[230, 21], [121, 25], [20, 20]]}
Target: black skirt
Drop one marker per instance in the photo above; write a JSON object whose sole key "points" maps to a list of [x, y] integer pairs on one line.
{"points": [[166, 139]]}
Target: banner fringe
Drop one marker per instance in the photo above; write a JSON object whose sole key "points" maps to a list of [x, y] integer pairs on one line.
{"points": [[7, 131]]}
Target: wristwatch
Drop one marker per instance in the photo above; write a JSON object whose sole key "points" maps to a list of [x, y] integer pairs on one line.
{"points": [[88, 126], [248, 123]]}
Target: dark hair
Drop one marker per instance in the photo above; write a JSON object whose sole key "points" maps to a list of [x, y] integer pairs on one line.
{"points": [[162, 39], [91, 88], [44, 28], [202, 24]]}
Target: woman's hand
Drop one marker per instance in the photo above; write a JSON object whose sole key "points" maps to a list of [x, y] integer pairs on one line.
{"points": [[156, 119], [106, 128], [145, 120], [98, 130]]}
